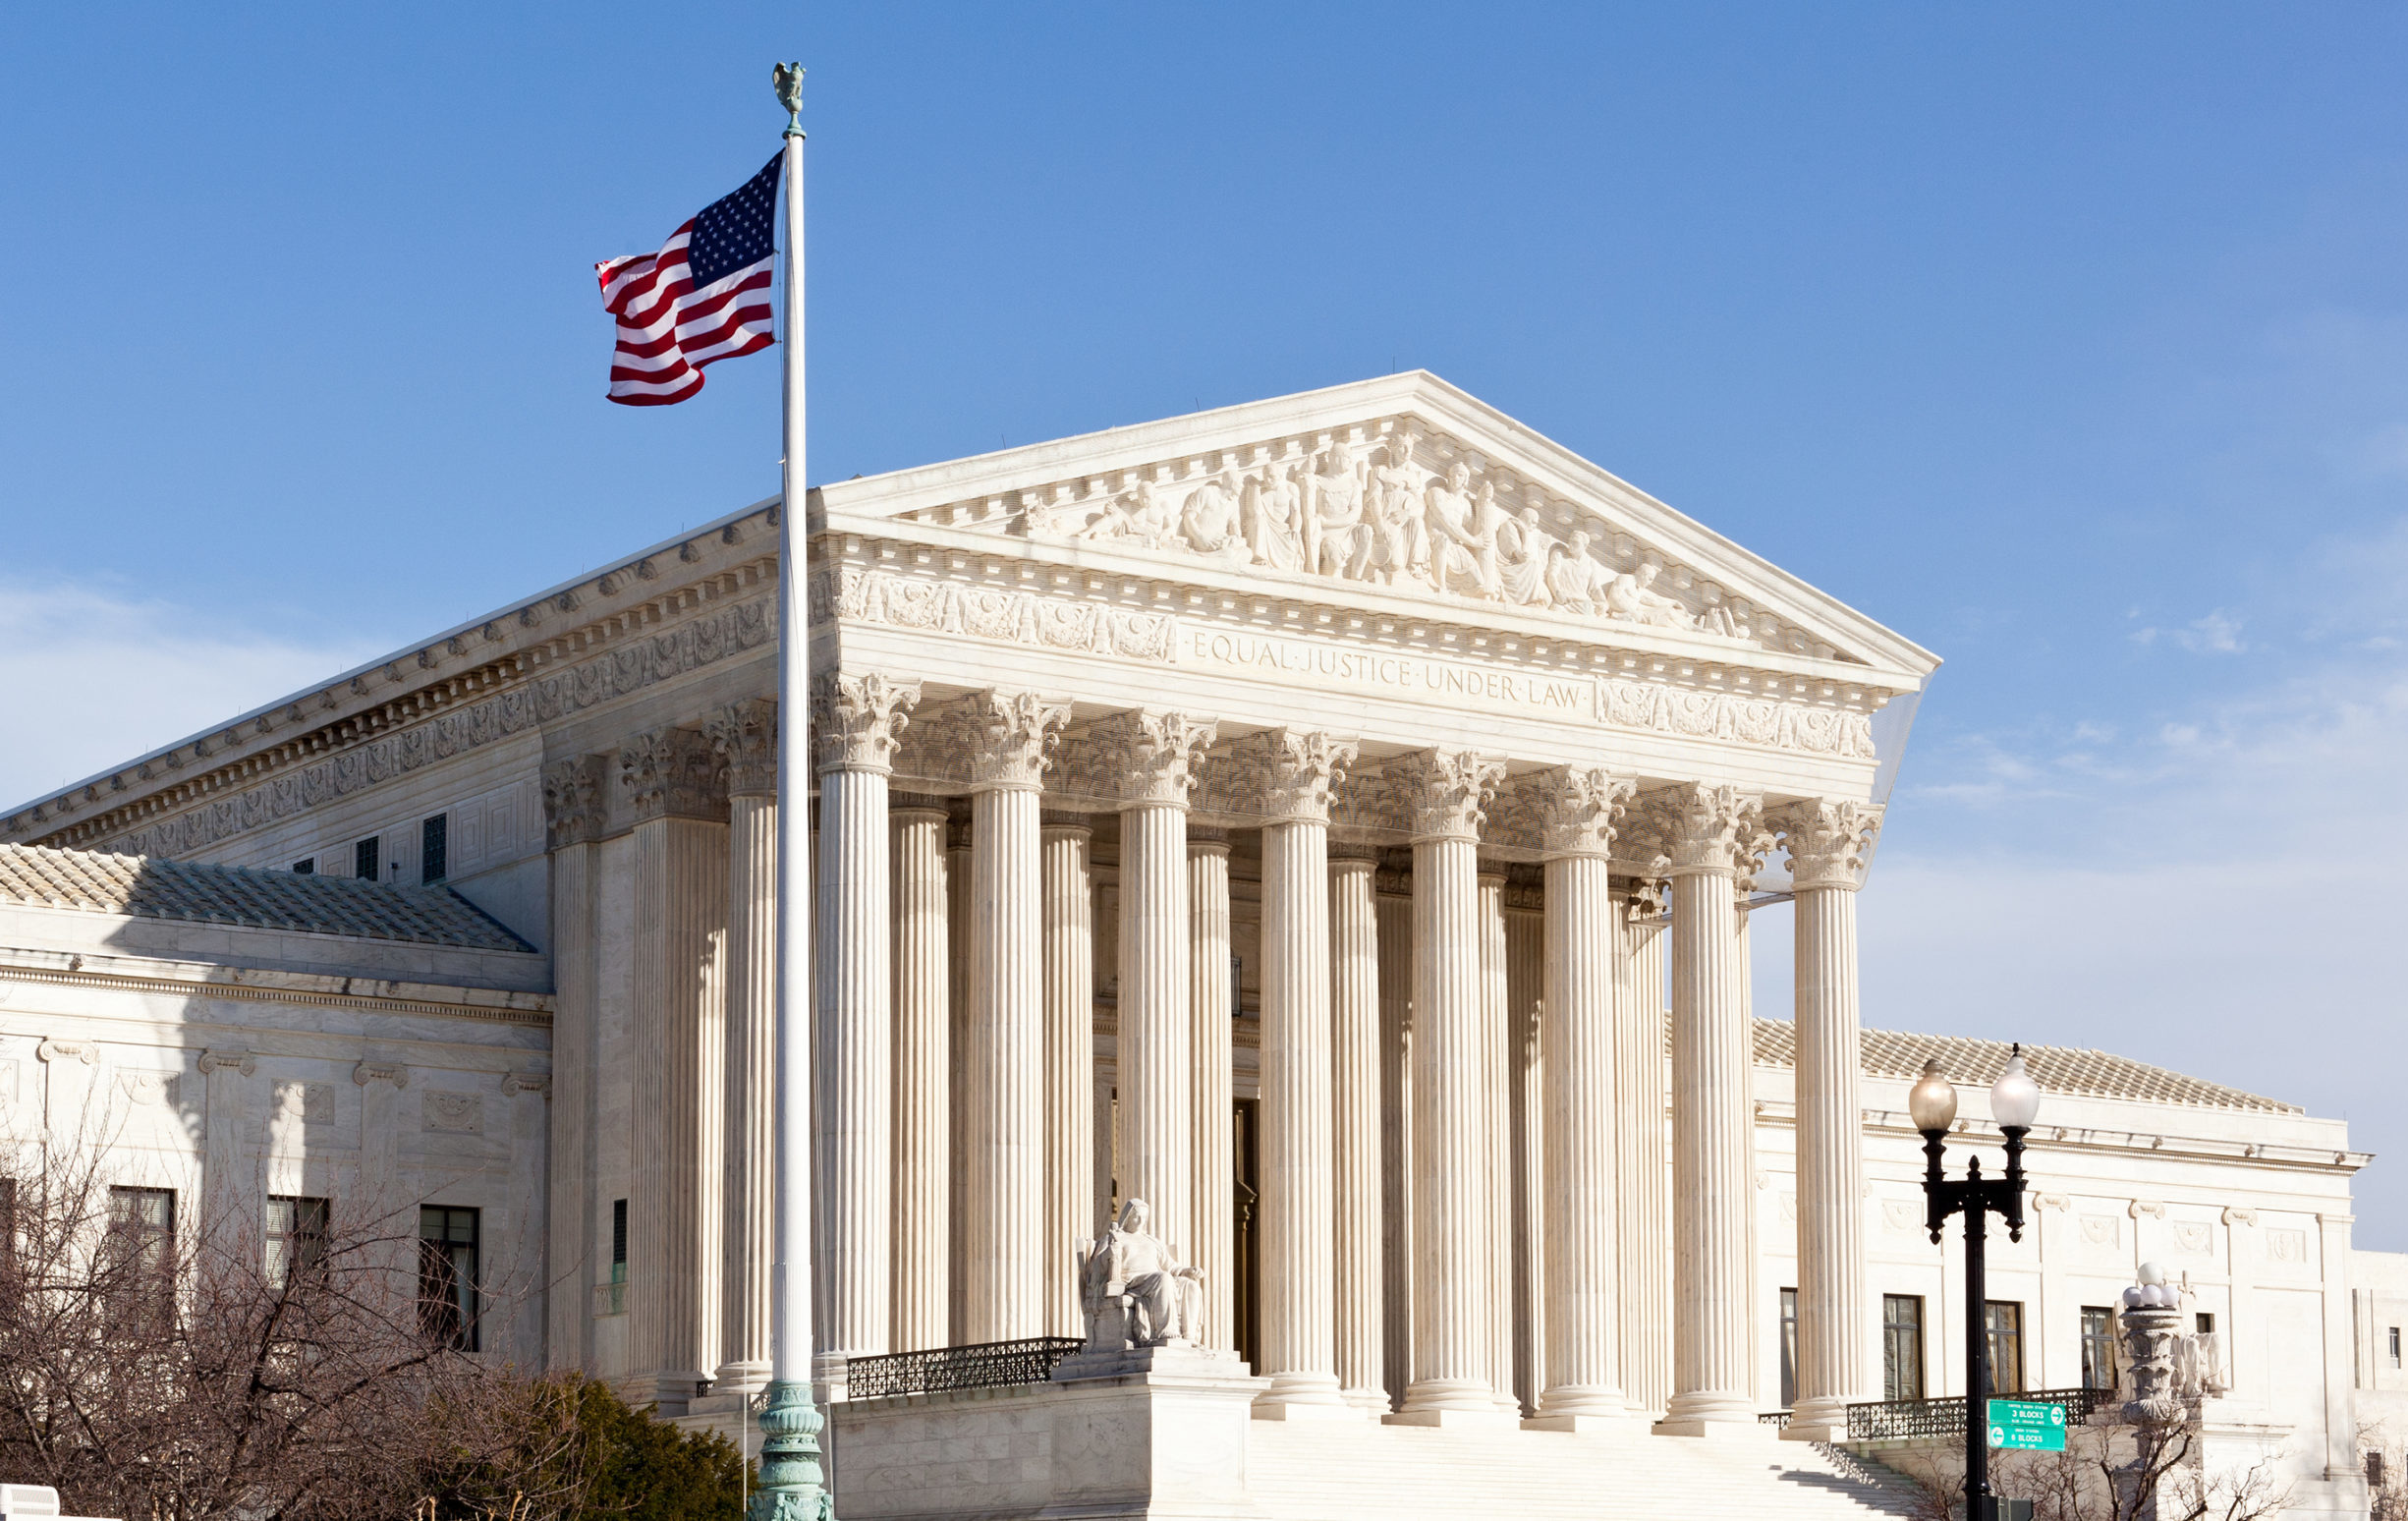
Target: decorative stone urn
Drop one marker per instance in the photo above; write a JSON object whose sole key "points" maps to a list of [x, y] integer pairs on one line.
{"points": [[2152, 1330]]}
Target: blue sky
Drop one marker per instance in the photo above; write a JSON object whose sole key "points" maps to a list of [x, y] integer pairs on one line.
{"points": [[2072, 345]]}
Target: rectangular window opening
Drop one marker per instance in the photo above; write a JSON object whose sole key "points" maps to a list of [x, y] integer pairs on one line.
{"points": [[2395, 1346], [434, 845], [2003, 1319], [615, 1296], [2097, 1347], [1902, 1346], [447, 1275], [306, 866], [1789, 1348], [141, 1249], [295, 1238], [364, 863]]}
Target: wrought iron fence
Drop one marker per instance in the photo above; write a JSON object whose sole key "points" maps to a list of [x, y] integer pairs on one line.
{"points": [[985, 1364], [1775, 1418], [1947, 1417]]}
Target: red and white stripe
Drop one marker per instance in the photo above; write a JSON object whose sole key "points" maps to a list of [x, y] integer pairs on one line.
{"points": [[668, 330]]}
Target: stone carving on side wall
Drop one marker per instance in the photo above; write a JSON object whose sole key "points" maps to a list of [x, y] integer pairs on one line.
{"points": [[454, 1113], [2287, 1246], [1766, 722], [1387, 504], [148, 1088], [1134, 1291], [312, 1104], [633, 666]]}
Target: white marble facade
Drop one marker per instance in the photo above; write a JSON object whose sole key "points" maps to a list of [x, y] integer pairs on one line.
{"points": [[1359, 756]]}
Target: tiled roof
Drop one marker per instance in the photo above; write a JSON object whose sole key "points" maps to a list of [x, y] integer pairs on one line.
{"points": [[2058, 1069], [153, 887]]}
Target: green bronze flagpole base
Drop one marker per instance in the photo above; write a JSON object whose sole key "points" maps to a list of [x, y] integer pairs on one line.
{"points": [[792, 1486]]}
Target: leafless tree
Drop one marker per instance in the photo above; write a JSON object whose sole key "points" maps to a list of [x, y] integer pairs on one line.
{"points": [[2146, 1471]]}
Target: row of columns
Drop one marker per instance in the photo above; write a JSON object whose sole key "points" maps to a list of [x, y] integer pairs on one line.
{"points": [[956, 986]]}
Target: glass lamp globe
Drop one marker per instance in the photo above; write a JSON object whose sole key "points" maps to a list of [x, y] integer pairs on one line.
{"points": [[2015, 1099], [1932, 1101]]}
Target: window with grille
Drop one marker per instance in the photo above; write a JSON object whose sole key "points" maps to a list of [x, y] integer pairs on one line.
{"points": [[1789, 1347], [434, 837], [2097, 1347], [141, 1247], [2003, 1320], [447, 1275], [295, 1238], [616, 1298], [365, 859], [1902, 1346]]}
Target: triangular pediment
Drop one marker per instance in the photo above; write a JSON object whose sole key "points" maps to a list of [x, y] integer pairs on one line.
{"points": [[1403, 486]]}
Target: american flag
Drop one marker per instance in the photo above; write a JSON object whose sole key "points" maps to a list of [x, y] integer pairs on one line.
{"points": [[704, 297]]}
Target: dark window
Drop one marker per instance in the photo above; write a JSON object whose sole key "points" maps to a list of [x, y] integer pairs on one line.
{"points": [[1237, 982], [2003, 1319], [1902, 1346], [2373, 1471], [2395, 1346], [306, 866], [447, 1275], [616, 1298], [432, 837], [2097, 1347], [1789, 1347], [143, 1256], [296, 1237], [2204, 1324], [364, 860]]}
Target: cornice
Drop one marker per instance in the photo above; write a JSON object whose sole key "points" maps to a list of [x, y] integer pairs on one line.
{"points": [[530, 1009]]}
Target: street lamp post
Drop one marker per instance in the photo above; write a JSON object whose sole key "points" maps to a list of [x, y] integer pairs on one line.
{"points": [[2014, 1101]]}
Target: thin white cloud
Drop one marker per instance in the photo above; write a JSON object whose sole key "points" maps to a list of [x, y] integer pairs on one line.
{"points": [[95, 676]]}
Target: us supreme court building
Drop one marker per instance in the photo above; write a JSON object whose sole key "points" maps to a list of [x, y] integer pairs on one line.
{"points": [[1346, 822]]}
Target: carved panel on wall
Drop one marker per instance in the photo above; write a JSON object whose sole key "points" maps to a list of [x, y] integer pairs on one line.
{"points": [[2287, 1246], [2102, 1230], [994, 612], [455, 1113], [1901, 1216], [312, 1104], [148, 1088], [2193, 1235]]}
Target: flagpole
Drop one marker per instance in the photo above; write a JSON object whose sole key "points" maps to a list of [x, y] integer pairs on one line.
{"points": [[792, 1486]]}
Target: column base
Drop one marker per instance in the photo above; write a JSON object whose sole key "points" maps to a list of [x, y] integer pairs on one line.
{"points": [[1267, 1409], [1488, 1420], [1716, 1428], [1311, 1397], [1827, 1432], [1372, 1402], [1627, 1423]]}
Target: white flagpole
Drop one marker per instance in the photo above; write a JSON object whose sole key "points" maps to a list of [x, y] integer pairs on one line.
{"points": [[791, 1477]]}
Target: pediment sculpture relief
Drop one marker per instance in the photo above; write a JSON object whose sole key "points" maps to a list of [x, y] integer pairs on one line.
{"points": [[1378, 511]]}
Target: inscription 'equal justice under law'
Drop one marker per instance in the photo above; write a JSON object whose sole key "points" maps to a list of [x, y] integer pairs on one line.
{"points": [[1546, 695]]}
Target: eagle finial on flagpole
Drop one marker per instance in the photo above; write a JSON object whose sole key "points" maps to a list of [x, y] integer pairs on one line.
{"points": [[787, 80]]}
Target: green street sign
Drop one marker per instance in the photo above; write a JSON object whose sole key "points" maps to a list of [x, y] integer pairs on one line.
{"points": [[2017, 1424]]}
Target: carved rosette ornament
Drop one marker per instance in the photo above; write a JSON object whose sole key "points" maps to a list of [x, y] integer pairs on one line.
{"points": [[1827, 841], [1578, 807], [1011, 732], [855, 720], [1152, 757], [1710, 830], [576, 805], [670, 772], [745, 736], [1449, 792], [1291, 772]]}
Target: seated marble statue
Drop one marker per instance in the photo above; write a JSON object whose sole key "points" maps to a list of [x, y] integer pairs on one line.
{"points": [[1132, 1278]]}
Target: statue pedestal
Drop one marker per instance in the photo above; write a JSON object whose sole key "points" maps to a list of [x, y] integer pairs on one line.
{"points": [[1149, 1432]]}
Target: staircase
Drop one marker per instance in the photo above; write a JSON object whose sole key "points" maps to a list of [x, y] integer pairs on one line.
{"points": [[1340, 1471]]}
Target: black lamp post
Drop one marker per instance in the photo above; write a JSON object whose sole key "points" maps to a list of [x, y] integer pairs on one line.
{"points": [[2014, 1101]]}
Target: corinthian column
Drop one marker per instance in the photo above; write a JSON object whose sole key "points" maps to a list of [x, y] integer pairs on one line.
{"points": [[854, 724], [1354, 1028], [1211, 1016], [923, 1058], [1578, 1101], [669, 784], [1713, 838], [1294, 771], [1394, 904], [1449, 792], [745, 734], [1643, 1169], [1155, 757], [960, 876], [576, 810], [1827, 841], [1070, 1066], [1497, 1124], [1003, 1067]]}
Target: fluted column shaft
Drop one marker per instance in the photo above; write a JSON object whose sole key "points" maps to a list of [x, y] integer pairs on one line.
{"points": [[1643, 1195], [1452, 1270], [1498, 1123], [856, 1064], [1395, 938], [1583, 1314], [924, 1100], [1299, 1346], [1355, 1072], [960, 879], [576, 805], [1070, 1068], [1713, 1119], [745, 735], [1156, 1043], [1827, 841], [1210, 1018]]}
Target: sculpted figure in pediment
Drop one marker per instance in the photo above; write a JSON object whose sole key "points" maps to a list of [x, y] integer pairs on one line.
{"points": [[1523, 550], [1395, 545], [1209, 521], [1141, 514], [1273, 509], [1334, 529], [1576, 579], [1632, 597], [1461, 534]]}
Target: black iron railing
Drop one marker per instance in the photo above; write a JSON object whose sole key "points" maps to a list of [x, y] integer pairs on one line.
{"points": [[985, 1364], [1892, 1418], [1775, 1418]]}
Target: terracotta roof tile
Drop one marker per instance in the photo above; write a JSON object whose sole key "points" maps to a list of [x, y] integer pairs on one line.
{"points": [[155, 887], [2058, 1069]]}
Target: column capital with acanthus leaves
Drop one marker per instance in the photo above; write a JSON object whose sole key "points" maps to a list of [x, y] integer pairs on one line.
{"points": [[1708, 829], [1292, 772], [1447, 792], [1151, 757], [1829, 841], [856, 720], [1578, 805]]}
